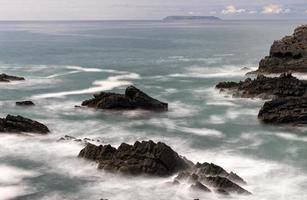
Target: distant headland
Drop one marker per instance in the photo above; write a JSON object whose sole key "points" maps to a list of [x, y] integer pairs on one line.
{"points": [[191, 18]]}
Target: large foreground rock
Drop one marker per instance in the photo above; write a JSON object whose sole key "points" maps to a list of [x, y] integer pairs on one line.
{"points": [[144, 157], [8, 78], [19, 124], [284, 111], [213, 176], [288, 54], [266, 87], [132, 99], [158, 159]]}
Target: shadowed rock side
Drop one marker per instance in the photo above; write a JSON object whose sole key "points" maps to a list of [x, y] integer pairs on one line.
{"points": [[19, 124], [288, 54], [25, 103], [212, 176], [158, 159], [141, 158], [8, 78], [266, 87], [284, 111], [132, 99]]}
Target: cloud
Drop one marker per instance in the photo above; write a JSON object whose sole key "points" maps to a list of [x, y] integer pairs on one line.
{"points": [[232, 10], [275, 9], [252, 12]]}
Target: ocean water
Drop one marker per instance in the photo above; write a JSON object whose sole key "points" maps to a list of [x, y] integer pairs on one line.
{"points": [[66, 62]]}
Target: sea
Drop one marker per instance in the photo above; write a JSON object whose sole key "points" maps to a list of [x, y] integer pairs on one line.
{"points": [[66, 62]]}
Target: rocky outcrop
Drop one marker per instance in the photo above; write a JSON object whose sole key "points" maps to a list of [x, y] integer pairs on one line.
{"points": [[266, 87], [145, 157], [132, 99], [25, 103], [19, 124], [288, 54], [213, 176], [284, 111], [8, 78], [158, 159]]}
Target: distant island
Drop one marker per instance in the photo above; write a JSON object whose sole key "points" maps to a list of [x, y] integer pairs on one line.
{"points": [[192, 18]]}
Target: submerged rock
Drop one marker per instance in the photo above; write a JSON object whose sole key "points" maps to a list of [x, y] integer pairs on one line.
{"points": [[284, 111], [144, 157], [25, 103], [84, 140], [132, 99], [266, 87], [288, 54], [213, 176], [18, 124], [8, 78]]}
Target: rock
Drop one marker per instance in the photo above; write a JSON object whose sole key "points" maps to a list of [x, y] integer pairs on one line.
{"points": [[25, 103], [18, 124], [132, 99], [288, 54], [144, 157], [266, 87], [84, 140], [198, 186], [213, 176], [8, 78], [289, 110]]}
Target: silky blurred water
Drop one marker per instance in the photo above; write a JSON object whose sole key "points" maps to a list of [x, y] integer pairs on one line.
{"points": [[66, 62]]}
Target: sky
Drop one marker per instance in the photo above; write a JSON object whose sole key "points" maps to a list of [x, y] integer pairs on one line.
{"points": [[150, 9]]}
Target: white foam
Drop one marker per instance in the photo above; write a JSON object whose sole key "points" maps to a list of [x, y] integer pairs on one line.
{"points": [[202, 131], [103, 85]]}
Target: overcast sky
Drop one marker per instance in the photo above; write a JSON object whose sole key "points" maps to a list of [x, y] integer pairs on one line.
{"points": [[150, 9]]}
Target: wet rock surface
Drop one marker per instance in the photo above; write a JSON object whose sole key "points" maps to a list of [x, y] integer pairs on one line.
{"points": [[19, 124], [158, 159], [8, 78], [288, 54], [284, 111], [132, 99], [213, 176], [25, 103], [144, 157], [266, 87]]}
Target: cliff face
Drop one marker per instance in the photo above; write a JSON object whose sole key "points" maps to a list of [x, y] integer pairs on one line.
{"points": [[288, 54]]}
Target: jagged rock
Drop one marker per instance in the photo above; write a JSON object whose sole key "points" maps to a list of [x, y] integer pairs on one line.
{"points": [[198, 186], [25, 103], [266, 87], [284, 111], [213, 176], [8, 78], [144, 157], [132, 99], [18, 124], [288, 54]]}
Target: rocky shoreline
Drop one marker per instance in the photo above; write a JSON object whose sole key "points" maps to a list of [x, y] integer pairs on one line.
{"points": [[287, 94], [158, 159]]}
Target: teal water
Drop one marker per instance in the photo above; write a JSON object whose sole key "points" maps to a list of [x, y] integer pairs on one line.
{"points": [[66, 62]]}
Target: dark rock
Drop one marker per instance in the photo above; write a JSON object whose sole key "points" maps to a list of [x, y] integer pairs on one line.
{"points": [[213, 176], [18, 124], [284, 111], [8, 78], [288, 54], [25, 103], [132, 99], [144, 157], [198, 186], [266, 87]]}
